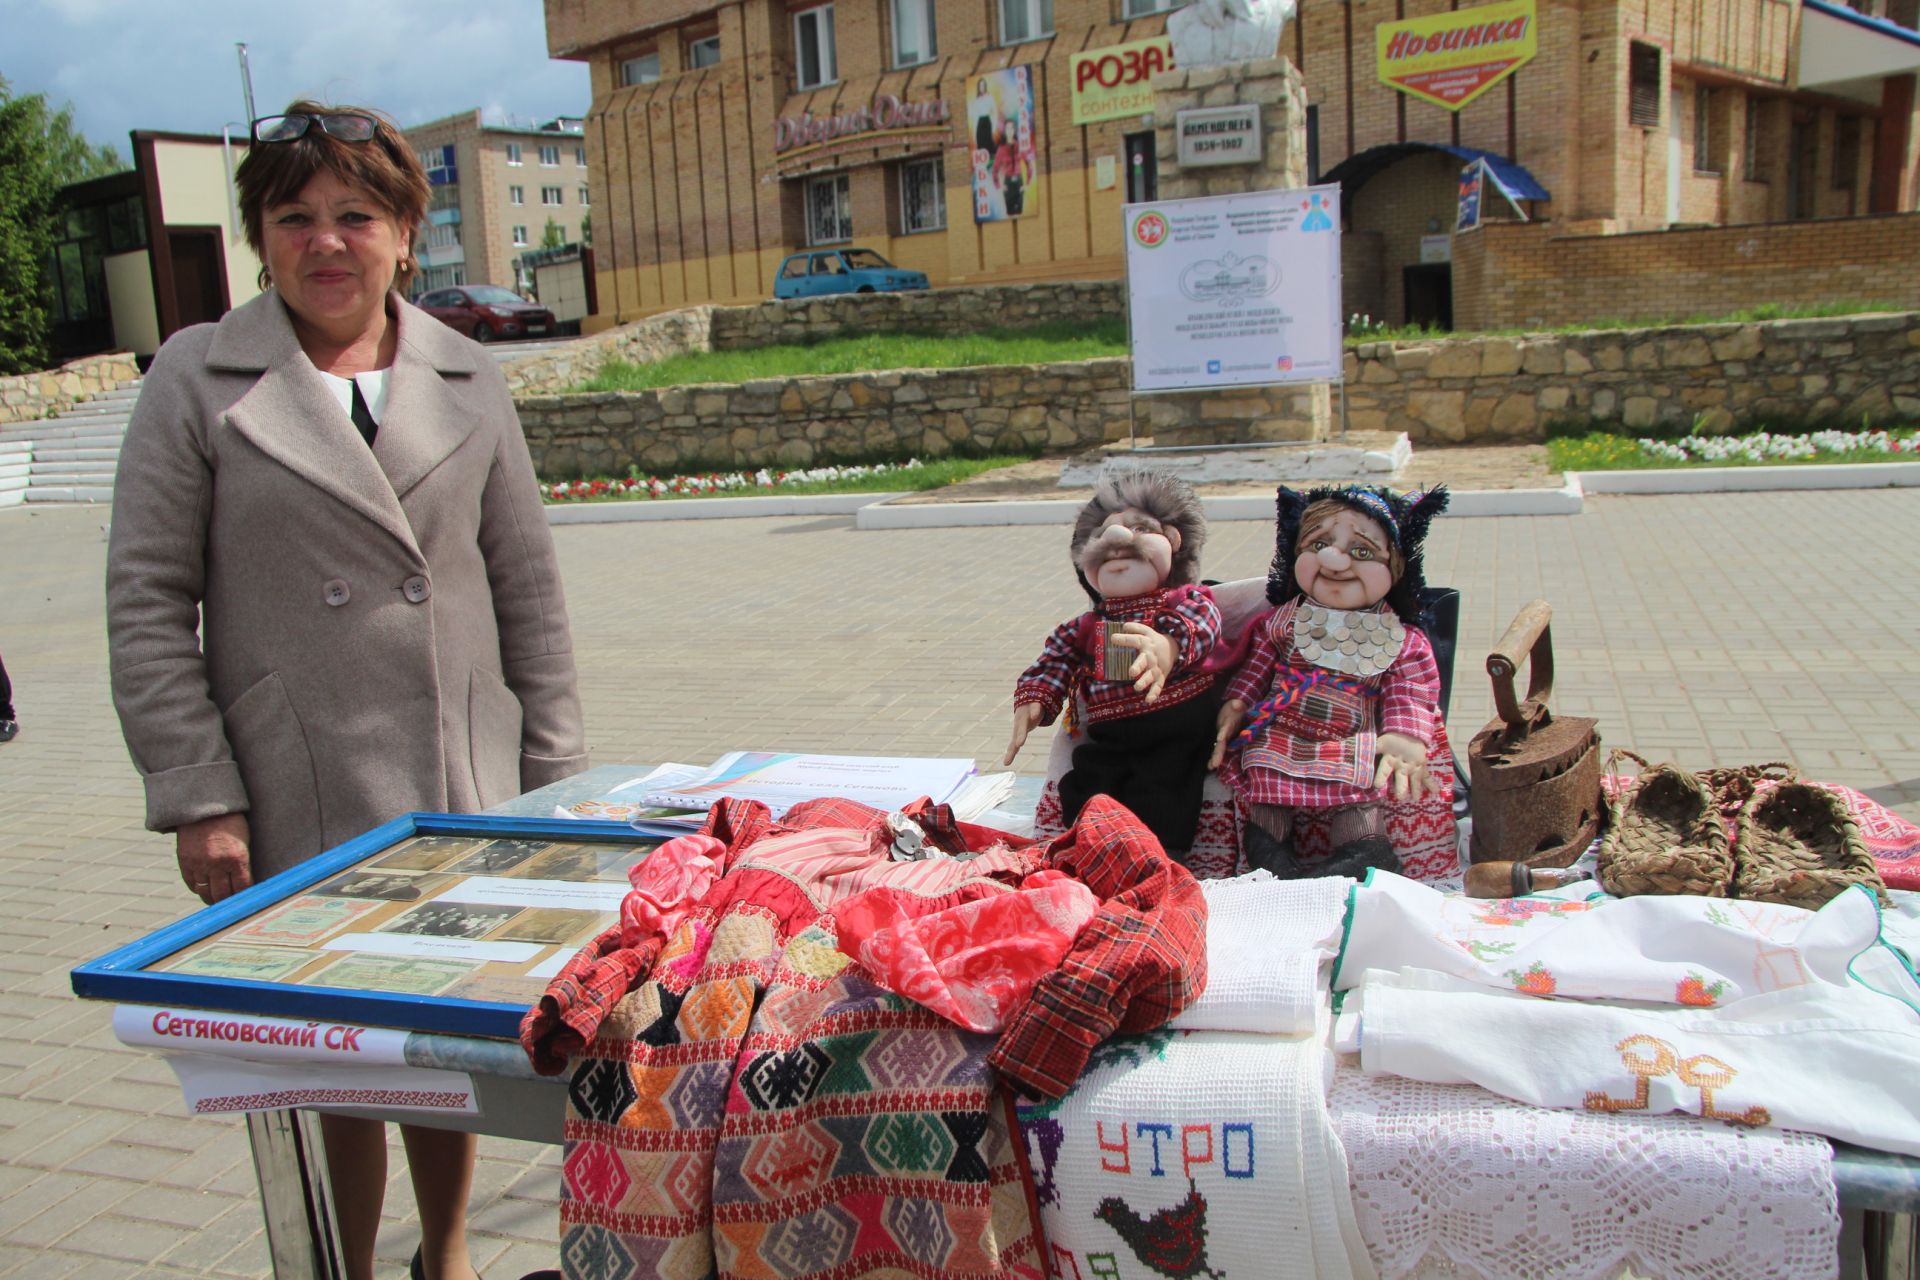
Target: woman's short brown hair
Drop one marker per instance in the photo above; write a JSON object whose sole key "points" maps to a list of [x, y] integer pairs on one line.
{"points": [[384, 167]]}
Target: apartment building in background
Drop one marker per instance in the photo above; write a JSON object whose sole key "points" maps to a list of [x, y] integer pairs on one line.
{"points": [[722, 136], [495, 188]]}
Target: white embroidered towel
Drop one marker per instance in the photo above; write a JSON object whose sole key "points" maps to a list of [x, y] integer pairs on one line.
{"points": [[1827, 1059], [1666, 950], [1449, 1180], [1270, 944], [1189, 1155]]}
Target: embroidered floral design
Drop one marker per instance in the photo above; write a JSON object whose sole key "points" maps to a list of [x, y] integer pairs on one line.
{"points": [[1536, 981], [1695, 990], [1520, 911], [1482, 950]]}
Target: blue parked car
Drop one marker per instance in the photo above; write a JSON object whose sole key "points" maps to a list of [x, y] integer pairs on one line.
{"points": [[808, 275]]}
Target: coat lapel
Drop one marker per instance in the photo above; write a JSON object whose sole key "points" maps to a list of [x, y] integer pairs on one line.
{"points": [[291, 416], [433, 404]]}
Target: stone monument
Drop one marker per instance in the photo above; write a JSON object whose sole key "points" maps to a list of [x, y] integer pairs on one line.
{"points": [[1211, 40]]}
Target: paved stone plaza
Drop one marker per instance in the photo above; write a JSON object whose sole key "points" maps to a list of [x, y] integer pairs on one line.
{"points": [[1725, 629]]}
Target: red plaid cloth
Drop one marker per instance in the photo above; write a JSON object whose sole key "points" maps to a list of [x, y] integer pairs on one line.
{"points": [[1141, 961], [559, 1025]]}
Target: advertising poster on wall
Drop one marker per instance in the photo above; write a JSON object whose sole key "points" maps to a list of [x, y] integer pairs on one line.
{"points": [[1449, 59], [1235, 291], [1004, 144]]}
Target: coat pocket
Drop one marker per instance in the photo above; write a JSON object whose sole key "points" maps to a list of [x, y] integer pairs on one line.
{"points": [[493, 737], [276, 766]]}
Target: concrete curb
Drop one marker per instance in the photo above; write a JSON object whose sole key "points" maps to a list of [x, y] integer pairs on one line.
{"points": [[619, 512], [949, 515], [1858, 475]]}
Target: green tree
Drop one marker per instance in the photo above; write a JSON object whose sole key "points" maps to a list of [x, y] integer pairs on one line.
{"points": [[553, 237], [586, 229], [40, 152]]}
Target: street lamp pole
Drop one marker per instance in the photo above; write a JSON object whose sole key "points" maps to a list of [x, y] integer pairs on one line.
{"points": [[246, 82]]}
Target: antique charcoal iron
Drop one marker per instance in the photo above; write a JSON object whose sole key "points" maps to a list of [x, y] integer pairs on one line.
{"points": [[1536, 795]]}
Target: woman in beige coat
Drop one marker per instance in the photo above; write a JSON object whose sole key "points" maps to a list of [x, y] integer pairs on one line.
{"points": [[332, 596]]}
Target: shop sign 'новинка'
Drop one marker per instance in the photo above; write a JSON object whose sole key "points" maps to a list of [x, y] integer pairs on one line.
{"points": [[1450, 59]]}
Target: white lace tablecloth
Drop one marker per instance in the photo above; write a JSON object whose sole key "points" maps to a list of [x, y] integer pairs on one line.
{"points": [[1449, 1181]]}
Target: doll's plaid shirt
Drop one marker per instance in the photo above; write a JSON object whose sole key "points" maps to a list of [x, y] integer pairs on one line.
{"points": [[1067, 661]]}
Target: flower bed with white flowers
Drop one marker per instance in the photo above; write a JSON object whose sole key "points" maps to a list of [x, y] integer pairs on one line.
{"points": [[1764, 446], [729, 483]]}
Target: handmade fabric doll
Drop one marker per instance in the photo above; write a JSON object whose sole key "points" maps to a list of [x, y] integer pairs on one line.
{"points": [[1340, 680], [1136, 662]]}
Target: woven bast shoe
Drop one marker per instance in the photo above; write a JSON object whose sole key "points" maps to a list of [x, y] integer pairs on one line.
{"points": [[1665, 835], [1798, 843]]}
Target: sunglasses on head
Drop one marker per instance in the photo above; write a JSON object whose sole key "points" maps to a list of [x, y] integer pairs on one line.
{"points": [[347, 126]]}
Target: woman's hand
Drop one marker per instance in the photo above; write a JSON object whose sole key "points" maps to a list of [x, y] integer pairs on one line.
{"points": [[1233, 713], [213, 856], [1403, 766]]}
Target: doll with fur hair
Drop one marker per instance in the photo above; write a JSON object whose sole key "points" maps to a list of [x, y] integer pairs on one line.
{"points": [[1336, 705], [1136, 664]]}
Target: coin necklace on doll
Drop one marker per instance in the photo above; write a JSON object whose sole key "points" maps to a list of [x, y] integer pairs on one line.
{"points": [[1341, 683]]}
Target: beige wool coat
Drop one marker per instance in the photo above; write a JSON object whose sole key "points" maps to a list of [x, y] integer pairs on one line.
{"points": [[384, 629]]}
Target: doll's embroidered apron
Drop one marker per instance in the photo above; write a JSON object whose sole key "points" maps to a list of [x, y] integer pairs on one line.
{"points": [[1313, 740]]}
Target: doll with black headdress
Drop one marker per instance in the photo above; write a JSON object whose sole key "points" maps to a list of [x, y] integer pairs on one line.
{"points": [[1335, 707]]}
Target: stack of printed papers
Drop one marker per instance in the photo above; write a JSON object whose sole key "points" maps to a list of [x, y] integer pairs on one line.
{"points": [[675, 797]]}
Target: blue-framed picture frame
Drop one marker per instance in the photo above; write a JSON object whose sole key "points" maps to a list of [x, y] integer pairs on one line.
{"points": [[122, 975]]}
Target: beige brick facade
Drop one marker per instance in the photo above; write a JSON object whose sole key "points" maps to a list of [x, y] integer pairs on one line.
{"points": [[488, 179], [700, 206]]}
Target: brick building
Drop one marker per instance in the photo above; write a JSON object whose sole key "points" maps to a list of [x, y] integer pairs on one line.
{"points": [[723, 136], [494, 189]]}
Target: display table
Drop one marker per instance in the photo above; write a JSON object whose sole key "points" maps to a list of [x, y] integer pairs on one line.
{"points": [[511, 1101]]}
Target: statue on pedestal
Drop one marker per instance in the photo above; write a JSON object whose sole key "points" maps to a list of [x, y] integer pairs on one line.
{"points": [[1210, 33]]}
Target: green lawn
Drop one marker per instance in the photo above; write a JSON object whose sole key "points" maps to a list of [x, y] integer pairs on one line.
{"points": [[1059, 341], [1748, 315], [1605, 451]]}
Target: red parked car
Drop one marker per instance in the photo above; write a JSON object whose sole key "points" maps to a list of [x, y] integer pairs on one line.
{"points": [[486, 311]]}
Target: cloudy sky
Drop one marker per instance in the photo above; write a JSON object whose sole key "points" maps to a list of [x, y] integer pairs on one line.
{"points": [[171, 64]]}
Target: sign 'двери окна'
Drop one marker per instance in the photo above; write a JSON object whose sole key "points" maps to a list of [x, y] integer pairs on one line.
{"points": [[884, 113], [1452, 58]]}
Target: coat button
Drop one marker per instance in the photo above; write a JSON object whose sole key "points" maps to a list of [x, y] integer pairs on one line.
{"points": [[416, 589], [337, 592]]}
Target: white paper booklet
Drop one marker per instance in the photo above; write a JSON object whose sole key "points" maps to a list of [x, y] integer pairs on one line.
{"points": [[781, 780]]}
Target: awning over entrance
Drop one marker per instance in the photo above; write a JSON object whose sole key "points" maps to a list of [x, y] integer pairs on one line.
{"points": [[1353, 172], [1847, 53]]}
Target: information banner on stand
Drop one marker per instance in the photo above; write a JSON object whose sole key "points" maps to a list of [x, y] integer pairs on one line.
{"points": [[1235, 291]]}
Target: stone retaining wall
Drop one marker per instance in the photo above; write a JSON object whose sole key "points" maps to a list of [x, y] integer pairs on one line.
{"points": [[796, 422], [1781, 373], [948, 312], [30, 396]]}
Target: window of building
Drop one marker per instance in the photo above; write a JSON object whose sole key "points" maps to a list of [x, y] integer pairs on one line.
{"points": [[1313, 143], [549, 156], [516, 195], [1750, 142], [644, 69], [829, 209], [443, 235], [1025, 20], [923, 196], [1846, 152], [1643, 84], [703, 53], [914, 40], [583, 197], [552, 195], [519, 235], [1707, 140], [813, 60], [513, 153], [1141, 8], [580, 157]]}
